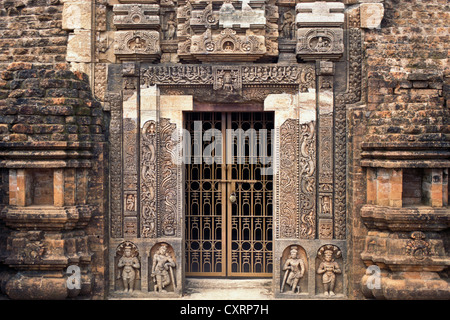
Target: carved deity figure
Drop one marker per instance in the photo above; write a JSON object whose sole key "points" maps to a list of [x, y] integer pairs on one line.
{"points": [[171, 28], [288, 25], [130, 205], [326, 205], [162, 269], [323, 44], [227, 81], [295, 269], [130, 264], [329, 268]]}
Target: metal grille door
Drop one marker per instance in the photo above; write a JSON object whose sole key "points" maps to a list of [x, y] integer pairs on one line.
{"points": [[229, 199]]}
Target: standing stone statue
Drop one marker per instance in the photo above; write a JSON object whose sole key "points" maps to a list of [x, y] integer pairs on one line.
{"points": [[295, 269], [130, 264], [162, 269], [288, 25], [329, 268], [171, 28]]}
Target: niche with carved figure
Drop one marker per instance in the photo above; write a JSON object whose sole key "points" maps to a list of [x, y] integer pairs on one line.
{"points": [[162, 265], [294, 270], [128, 268], [328, 268]]}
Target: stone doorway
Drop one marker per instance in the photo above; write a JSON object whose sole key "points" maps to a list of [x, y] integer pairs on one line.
{"points": [[229, 194]]}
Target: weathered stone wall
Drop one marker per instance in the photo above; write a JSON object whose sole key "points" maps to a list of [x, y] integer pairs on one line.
{"points": [[30, 31], [407, 65], [46, 104], [407, 102]]}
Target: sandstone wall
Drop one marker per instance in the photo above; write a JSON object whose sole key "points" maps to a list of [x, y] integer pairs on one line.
{"points": [[407, 77], [43, 102], [30, 31]]}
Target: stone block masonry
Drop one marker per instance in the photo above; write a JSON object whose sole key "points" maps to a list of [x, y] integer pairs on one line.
{"points": [[52, 148], [31, 31]]}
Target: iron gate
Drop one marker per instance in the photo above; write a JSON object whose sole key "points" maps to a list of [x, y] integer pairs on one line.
{"points": [[229, 198]]}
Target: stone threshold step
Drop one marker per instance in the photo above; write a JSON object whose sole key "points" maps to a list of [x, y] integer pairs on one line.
{"points": [[214, 283]]}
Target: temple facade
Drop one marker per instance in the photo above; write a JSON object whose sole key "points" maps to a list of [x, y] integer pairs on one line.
{"points": [[147, 142]]}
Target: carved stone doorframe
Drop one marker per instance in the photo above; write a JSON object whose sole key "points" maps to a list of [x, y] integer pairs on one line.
{"points": [[147, 102]]}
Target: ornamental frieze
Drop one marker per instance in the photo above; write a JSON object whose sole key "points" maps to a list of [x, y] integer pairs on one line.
{"points": [[261, 74]]}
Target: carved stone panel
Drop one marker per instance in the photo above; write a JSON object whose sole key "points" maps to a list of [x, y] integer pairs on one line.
{"points": [[227, 79], [329, 269], [320, 30], [127, 268], [307, 158], [115, 102], [149, 167], [162, 269], [288, 177], [136, 16], [294, 267], [168, 184], [141, 45], [227, 46], [318, 43], [227, 30]]}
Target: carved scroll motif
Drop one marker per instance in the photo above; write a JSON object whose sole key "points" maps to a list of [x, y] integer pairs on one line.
{"points": [[168, 177], [149, 180], [307, 181], [288, 225]]}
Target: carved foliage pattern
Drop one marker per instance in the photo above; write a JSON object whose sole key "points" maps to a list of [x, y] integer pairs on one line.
{"points": [[149, 180], [307, 180], [168, 179], [288, 201]]}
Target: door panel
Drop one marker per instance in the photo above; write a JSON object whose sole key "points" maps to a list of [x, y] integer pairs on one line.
{"points": [[225, 237]]}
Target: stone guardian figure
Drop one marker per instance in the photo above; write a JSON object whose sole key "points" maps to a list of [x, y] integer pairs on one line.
{"points": [[130, 265], [162, 269], [328, 268], [294, 268]]}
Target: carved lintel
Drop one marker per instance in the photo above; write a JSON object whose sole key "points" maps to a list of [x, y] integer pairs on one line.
{"points": [[249, 75]]}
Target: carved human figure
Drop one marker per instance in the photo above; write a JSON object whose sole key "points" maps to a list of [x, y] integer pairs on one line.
{"points": [[162, 269], [227, 81], [322, 44], [130, 265], [171, 28], [287, 25], [295, 269], [228, 46], [329, 268], [136, 44], [326, 205], [130, 202]]}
